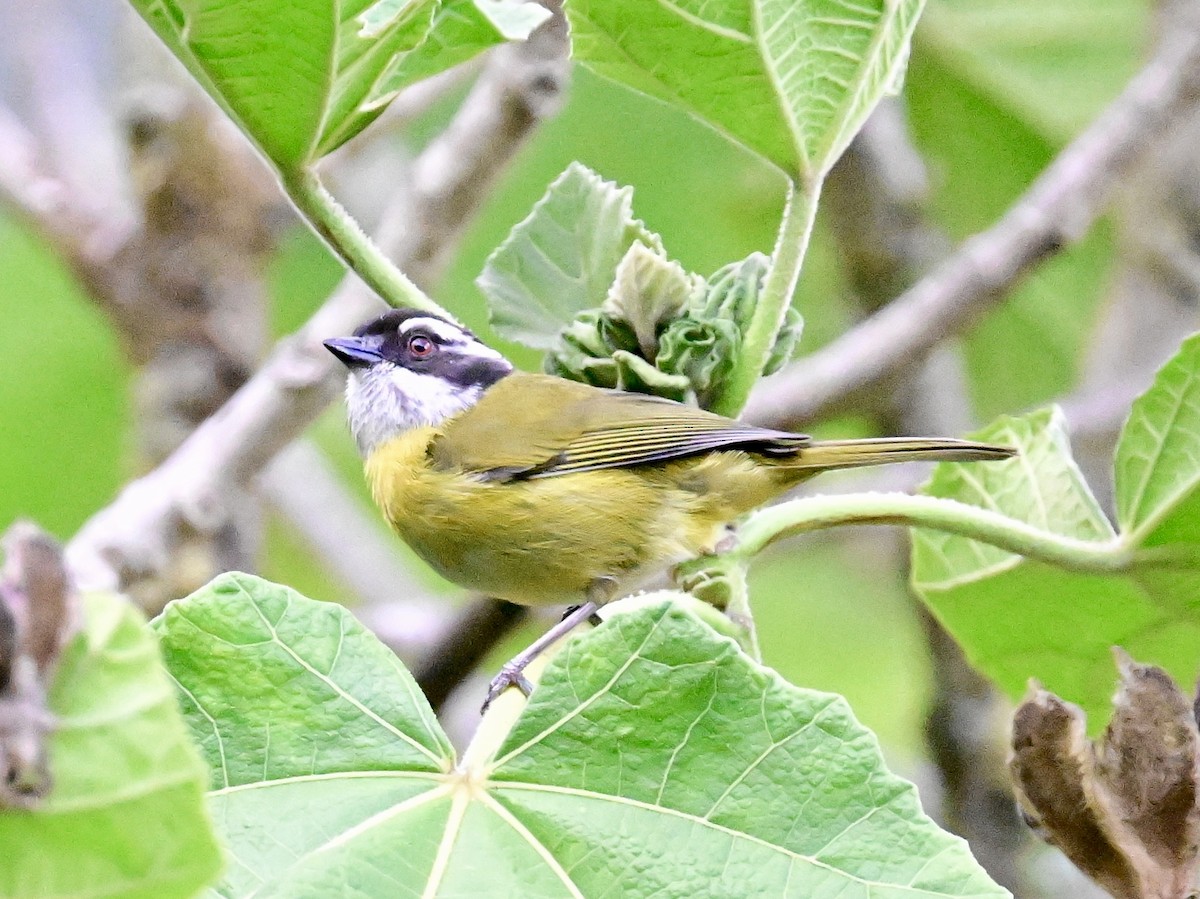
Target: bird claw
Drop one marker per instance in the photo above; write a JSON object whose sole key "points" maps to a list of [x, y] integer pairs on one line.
{"points": [[511, 675]]}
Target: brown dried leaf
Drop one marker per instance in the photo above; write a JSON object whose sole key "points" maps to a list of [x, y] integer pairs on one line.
{"points": [[1124, 809], [1051, 763], [1149, 761], [35, 572], [8, 640], [37, 617]]}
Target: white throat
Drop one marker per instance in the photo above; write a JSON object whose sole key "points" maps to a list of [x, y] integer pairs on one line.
{"points": [[386, 400]]}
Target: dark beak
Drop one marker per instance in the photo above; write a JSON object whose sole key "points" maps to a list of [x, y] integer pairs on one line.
{"points": [[353, 352]]}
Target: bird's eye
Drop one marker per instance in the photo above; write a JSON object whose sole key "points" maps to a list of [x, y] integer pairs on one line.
{"points": [[420, 346]]}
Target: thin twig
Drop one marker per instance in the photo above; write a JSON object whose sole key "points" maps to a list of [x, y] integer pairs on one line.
{"points": [[1057, 210], [950, 516]]}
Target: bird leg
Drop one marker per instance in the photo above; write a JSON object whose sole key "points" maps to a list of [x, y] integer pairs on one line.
{"points": [[512, 673]]}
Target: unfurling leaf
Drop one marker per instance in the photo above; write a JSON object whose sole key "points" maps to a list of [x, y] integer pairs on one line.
{"points": [[1124, 808], [702, 351], [648, 291], [733, 289], [666, 332], [637, 375]]}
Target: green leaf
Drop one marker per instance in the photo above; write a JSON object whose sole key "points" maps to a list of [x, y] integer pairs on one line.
{"points": [[126, 816], [257, 635], [562, 258], [461, 29], [1018, 619], [303, 77], [792, 81], [1158, 455], [653, 759], [1042, 486], [648, 290]]}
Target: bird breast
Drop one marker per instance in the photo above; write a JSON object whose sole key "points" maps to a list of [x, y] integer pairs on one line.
{"points": [[540, 541]]}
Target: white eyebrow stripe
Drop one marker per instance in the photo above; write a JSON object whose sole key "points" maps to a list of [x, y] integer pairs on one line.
{"points": [[447, 333], [451, 336]]}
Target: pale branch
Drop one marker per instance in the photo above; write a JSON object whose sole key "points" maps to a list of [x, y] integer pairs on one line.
{"points": [[45, 203], [24, 186], [132, 537], [1057, 209], [524, 85], [134, 534]]}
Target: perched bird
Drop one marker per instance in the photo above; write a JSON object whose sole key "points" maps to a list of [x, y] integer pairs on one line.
{"points": [[539, 490]]}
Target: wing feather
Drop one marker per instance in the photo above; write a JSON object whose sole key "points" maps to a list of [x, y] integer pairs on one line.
{"points": [[536, 426]]}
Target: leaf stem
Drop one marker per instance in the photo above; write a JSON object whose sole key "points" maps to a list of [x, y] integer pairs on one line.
{"points": [[351, 244], [795, 229], [818, 512]]}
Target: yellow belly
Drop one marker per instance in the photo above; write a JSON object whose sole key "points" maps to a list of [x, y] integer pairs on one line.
{"points": [[544, 541]]}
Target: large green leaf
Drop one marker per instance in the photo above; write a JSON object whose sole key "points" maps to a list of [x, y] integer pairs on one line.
{"points": [[303, 77], [126, 816], [1158, 456], [1019, 619], [790, 80], [653, 759]]}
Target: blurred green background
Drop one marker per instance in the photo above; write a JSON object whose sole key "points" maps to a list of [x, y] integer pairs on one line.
{"points": [[994, 89]]}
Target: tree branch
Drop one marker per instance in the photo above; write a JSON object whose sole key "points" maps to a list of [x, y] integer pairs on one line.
{"points": [[44, 201], [133, 535], [63, 53], [1057, 210]]}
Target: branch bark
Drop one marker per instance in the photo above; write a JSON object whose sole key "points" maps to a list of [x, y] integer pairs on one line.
{"points": [[190, 489]]}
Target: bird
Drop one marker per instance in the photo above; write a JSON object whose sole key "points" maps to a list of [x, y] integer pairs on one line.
{"points": [[544, 491]]}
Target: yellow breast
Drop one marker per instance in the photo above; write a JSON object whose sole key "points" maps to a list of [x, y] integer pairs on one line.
{"points": [[541, 541]]}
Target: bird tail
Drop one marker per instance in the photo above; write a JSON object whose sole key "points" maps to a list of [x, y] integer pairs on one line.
{"points": [[825, 454]]}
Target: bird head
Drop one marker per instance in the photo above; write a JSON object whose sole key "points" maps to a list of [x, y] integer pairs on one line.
{"points": [[409, 369]]}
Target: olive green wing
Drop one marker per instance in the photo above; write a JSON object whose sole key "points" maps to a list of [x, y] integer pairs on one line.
{"points": [[537, 426]]}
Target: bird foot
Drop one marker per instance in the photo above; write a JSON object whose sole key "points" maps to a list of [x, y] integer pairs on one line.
{"points": [[512, 674]]}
